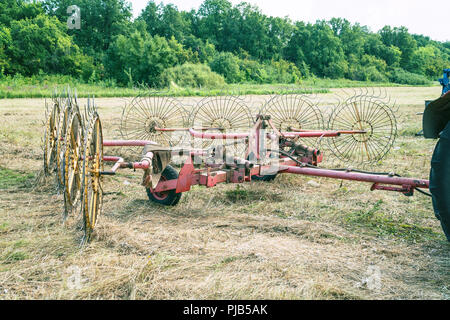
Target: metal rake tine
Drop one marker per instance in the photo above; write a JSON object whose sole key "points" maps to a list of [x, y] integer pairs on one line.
{"points": [[381, 94], [93, 104], [76, 97]]}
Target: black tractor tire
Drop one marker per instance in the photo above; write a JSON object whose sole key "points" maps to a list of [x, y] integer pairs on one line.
{"points": [[167, 198], [440, 180]]}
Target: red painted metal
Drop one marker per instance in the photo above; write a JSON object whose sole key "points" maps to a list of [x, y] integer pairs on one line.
{"points": [[339, 131], [211, 180], [184, 129], [406, 190], [127, 143], [165, 186], [163, 194], [242, 170], [117, 165], [214, 136], [356, 176], [211, 177], [190, 177], [231, 136], [311, 134], [111, 159], [184, 181]]}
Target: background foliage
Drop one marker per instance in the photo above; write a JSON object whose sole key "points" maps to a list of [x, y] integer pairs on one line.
{"points": [[202, 48]]}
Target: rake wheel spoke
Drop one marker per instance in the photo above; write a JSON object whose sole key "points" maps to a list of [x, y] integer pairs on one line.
{"points": [[145, 114], [366, 114], [227, 113]]}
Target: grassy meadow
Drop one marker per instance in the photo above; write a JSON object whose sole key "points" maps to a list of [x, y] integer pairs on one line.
{"points": [[44, 87], [296, 237]]}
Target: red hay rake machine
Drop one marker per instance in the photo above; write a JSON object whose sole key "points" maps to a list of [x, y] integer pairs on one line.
{"points": [[220, 141]]}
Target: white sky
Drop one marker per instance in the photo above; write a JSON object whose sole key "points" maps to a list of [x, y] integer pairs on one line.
{"points": [[427, 17]]}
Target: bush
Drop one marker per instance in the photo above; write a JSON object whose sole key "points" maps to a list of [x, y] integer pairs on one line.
{"points": [[141, 58], [253, 71], [191, 76], [336, 70], [368, 68], [366, 73], [204, 52], [427, 61], [401, 76], [227, 64], [41, 43], [283, 71]]}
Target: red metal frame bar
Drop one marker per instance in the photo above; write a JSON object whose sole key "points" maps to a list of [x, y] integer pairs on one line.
{"points": [[214, 136], [127, 143], [356, 176], [188, 177], [340, 131], [235, 136], [185, 129], [311, 134]]}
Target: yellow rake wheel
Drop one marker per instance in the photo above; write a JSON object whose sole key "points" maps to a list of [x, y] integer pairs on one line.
{"points": [[92, 191], [60, 146], [72, 161], [51, 139]]}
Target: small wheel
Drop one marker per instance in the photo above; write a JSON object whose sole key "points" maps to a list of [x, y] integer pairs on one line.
{"points": [[72, 161], [266, 177], [51, 140], [167, 198], [92, 191]]}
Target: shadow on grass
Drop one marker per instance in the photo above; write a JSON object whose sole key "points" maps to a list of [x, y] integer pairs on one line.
{"points": [[15, 179], [243, 195], [375, 221]]}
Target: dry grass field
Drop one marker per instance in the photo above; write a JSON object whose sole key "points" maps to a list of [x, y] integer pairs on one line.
{"points": [[297, 237]]}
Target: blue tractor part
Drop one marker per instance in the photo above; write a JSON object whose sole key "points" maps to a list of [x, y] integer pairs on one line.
{"points": [[445, 81]]}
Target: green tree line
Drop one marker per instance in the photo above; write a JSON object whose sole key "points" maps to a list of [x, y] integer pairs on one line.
{"points": [[216, 44]]}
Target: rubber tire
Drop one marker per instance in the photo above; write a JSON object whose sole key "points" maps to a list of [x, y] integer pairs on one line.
{"points": [[269, 177], [440, 180], [172, 198]]}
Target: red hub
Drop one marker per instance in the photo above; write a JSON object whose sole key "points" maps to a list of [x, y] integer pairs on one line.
{"points": [[161, 195]]}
